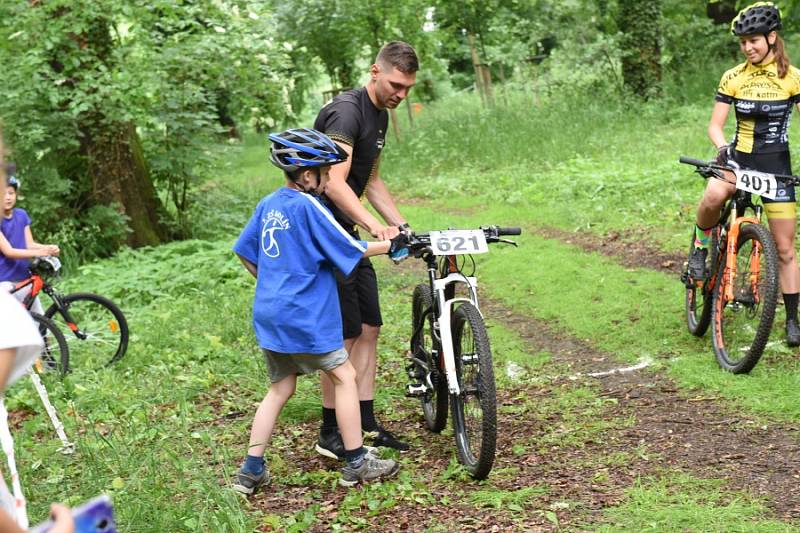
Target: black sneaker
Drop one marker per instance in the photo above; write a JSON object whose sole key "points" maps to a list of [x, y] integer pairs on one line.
{"points": [[371, 469], [697, 264], [792, 332], [330, 445], [384, 437], [247, 483]]}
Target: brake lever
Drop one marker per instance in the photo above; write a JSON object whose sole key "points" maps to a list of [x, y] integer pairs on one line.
{"points": [[506, 241]]}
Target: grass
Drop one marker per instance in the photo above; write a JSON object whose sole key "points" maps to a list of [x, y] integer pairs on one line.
{"points": [[680, 503]]}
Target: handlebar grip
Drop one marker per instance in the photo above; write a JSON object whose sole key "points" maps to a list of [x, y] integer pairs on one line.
{"points": [[509, 231], [691, 161]]}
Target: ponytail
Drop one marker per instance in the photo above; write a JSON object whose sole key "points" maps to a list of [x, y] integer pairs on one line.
{"points": [[781, 58]]}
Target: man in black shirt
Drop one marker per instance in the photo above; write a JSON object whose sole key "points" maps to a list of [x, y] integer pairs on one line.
{"points": [[357, 120]]}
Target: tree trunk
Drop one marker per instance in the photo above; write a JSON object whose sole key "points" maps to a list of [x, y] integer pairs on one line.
{"points": [[476, 64], [120, 176], [640, 21]]}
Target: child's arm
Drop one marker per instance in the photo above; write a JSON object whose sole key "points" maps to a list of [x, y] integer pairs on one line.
{"points": [[30, 244], [10, 252], [250, 267], [377, 248]]}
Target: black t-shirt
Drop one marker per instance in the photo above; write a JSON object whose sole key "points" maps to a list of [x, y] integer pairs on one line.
{"points": [[351, 118]]}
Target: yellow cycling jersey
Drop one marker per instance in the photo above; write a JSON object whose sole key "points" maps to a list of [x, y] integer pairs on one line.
{"points": [[763, 104]]}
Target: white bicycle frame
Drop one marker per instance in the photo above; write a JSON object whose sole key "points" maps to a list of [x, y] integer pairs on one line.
{"points": [[442, 322]]}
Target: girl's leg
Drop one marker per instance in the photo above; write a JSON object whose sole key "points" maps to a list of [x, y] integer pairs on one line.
{"points": [[267, 414], [714, 197], [348, 414], [783, 231]]}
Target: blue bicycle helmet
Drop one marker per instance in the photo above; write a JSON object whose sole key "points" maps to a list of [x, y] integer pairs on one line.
{"points": [[299, 148], [757, 19]]}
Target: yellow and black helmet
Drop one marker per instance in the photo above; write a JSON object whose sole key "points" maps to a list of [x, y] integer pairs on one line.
{"points": [[757, 19]]}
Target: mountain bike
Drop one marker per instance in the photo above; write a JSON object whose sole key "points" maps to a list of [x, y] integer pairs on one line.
{"points": [[99, 329], [739, 296], [450, 356]]}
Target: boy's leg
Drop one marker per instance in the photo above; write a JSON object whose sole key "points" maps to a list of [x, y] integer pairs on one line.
{"points": [[267, 414], [348, 415], [253, 472]]}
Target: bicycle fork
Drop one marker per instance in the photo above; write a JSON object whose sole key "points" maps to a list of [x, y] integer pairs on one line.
{"points": [[442, 325], [730, 257]]}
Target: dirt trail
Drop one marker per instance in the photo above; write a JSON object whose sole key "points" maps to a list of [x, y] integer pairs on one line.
{"points": [[690, 432]]}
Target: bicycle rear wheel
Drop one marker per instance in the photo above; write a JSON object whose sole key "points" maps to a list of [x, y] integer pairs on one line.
{"points": [[425, 360], [475, 408], [55, 352], [699, 300], [741, 327], [99, 329]]}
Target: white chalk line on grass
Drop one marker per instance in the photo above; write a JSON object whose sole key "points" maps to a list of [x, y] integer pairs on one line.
{"points": [[517, 372]]}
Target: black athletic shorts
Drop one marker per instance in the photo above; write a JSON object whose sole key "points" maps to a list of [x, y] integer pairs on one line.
{"points": [[358, 298], [783, 206]]}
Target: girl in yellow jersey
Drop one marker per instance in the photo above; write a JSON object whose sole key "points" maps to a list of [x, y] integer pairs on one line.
{"points": [[762, 91]]}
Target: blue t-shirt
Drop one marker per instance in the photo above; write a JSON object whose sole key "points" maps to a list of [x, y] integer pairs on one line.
{"points": [[14, 230], [295, 243]]}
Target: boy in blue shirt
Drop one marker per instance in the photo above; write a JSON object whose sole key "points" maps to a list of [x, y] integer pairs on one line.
{"points": [[292, 245]]}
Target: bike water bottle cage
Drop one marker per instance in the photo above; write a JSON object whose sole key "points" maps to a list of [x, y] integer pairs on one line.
{"points": [[759, 18], [299, 148]]}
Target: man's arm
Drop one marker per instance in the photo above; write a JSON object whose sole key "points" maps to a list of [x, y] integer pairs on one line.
{"points": [[345, 199], [250, 267], [380, 198]]}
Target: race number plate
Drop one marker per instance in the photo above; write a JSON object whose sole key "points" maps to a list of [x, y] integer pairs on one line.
{"points": [[759, 183], [458, 242]]}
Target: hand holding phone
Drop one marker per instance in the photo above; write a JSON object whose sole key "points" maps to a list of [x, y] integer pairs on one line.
{"points": [[94, 516]]}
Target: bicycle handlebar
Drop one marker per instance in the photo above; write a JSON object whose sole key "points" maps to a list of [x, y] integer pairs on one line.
{"points": [[713, 165], [419, 241]]}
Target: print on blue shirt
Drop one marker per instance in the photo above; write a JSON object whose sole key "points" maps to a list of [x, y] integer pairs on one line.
{"points": [[295, 244]]}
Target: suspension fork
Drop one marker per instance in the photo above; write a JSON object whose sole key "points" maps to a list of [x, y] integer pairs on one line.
{"points": [[731, 251]]}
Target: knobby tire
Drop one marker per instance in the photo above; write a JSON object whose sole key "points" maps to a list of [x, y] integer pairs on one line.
{"points": [[474, 409], [741, 328]]}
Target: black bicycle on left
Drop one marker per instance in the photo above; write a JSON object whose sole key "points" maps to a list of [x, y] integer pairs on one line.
{"points": [[99, 328]]}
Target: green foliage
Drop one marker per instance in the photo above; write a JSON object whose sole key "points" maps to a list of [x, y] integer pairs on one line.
{"points": [[175, 69]]}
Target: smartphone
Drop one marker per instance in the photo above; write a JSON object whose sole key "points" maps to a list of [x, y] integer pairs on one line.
{"points": [[94, 516]]}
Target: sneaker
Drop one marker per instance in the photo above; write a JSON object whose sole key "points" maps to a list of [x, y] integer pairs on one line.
{"points": [[697, 264], [247, 483], [370, 470], [384, 437], [792, 333], [330, 445]]}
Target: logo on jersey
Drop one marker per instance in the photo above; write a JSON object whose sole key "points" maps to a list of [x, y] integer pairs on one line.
{"points": [[274, 223], [379, 143]]}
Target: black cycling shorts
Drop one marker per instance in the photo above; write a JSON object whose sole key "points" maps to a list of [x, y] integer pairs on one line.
{"points": [[784, 205], [358, 299]]}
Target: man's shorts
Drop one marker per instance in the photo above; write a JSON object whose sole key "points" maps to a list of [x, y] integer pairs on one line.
{"points": [[281, 365], [784, 206], [358, 299]]}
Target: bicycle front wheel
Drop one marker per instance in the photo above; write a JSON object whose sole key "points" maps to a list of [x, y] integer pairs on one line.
{"points": [[741, 326], [55, 352], [425, 360], [474, 409], [99, 329], [699, 300]]}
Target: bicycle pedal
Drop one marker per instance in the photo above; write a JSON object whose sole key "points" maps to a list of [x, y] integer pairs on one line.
{"points": [[415, 390]]}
